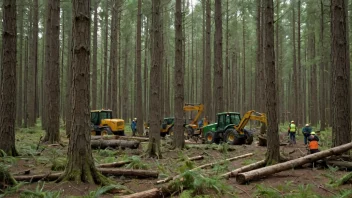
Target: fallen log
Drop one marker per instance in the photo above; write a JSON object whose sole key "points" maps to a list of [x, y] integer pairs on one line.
{"points": [[129, 172], [152, 193], [113, 165], [249, 167], [104, 171], [199, 157], [34, 178], [265, 171], [103, 144], [340, 164], [116, 137], [205, 166]]}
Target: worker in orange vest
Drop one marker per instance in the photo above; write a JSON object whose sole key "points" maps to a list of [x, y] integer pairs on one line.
{"points": [[313, 143]]}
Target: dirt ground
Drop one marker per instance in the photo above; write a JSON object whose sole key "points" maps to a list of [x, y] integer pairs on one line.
{"points": [[304, 182]]}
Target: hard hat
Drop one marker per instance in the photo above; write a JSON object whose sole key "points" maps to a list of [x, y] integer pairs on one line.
{"points": [[307, 124], [292, 121], [135, 118], [312, 133]]}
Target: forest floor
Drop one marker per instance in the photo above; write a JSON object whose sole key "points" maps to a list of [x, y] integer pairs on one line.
{"points": [[306, 182]]}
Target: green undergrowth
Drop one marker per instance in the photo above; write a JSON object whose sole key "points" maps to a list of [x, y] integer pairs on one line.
{"points": [[39, 192], [199, 184], [103, 190]]}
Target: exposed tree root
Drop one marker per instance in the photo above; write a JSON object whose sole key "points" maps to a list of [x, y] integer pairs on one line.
{"points": [[153, 150]]}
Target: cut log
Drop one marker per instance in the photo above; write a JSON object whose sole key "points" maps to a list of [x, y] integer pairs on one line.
{"points": [[104, 171], [114, 164], [205, 166], [249, 167], [103, 144], [199, 157], [340, 164], [129, 172], [254, 174], [152, 193], [35, 178], [115, 137]]}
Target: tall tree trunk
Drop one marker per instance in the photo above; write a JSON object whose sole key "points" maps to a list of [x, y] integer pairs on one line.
{"points": [[95, 56], [139, 93], [105, 85], [35, 61], [8, 79], [207, 69], [52, 132], [179, 78], [20, 100], [218, 76], [273, 153], [62, 95], [69, 82], [80, 165], [340, 89], [113, 57], [244, 99], [322, 71], [295, 75], [154, 135], [299, 72]]}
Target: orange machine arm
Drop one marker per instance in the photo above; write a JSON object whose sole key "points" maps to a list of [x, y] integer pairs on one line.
{"points": [[248, 116], [194, 107]]}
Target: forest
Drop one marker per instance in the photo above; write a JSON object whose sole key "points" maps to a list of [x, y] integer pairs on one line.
{"points": [[175, 98]]}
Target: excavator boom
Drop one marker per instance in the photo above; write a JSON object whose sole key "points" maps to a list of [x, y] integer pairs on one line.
{"points": [[248, 116], [194, 107]]}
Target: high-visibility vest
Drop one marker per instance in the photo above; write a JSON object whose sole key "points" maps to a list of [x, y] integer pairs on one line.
{"points": [[313, 145], [292, 128]]}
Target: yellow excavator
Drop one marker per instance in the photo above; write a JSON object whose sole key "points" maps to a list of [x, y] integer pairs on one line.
{"points": [[102, 123], [191, 128]]}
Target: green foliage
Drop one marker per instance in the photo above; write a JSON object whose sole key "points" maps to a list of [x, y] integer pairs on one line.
{"points": [[331, 174], [223, 147], [187, 165], [40, 193], [59, 164], [193, 180], [344, 194], [136, 163], [4, 158], [107, 153], [191, 194], [11, 190], [102, 190], [262, 191]]}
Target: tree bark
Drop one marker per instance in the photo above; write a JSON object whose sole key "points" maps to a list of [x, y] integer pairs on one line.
{"points": [[249, 167], [154, 135], [139, 94], [8, 79], [106, 32], [20, 100], [207, 69], [254, 174], [273, 153], [80, 163], [322, 80], [114, 164], [152, 193], [340, 89], [103, 144], [95, 56], [179, 79], [52, 130], [218, 76]]}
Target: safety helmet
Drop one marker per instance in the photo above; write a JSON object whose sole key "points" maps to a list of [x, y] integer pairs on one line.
{"points": [[292, 121], [307, 124], [312, 133]]}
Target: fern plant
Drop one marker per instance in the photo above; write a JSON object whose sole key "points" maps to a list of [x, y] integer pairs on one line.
{"points": [[136, 163], [11, 190], [266, 192], [40, 193]]}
